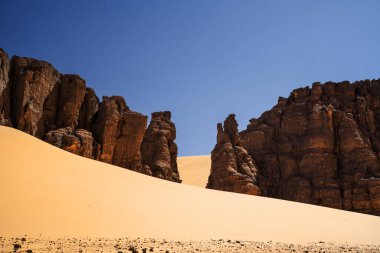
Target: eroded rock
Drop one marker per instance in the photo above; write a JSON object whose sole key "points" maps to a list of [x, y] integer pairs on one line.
{"points": [[232, 168], [32, 82], [37, 99], [79, 141], [5, 90], [158, 149], [321, 146]]}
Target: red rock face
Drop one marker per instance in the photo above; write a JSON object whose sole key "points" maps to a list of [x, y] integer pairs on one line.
{"points": [[89, 110], [60, 109], [158, 149], [5, 92], [321, 146], [32, 82], [107, 127], [78, 141], [120, 133], [72, 90], [232, 168], [127, 150]]}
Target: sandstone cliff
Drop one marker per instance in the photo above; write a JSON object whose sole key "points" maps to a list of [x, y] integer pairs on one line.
{"points": [[321, 146], [232, 168], [60, 109], [158, 149]]}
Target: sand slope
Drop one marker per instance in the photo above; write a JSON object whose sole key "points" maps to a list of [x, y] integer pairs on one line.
{"points": [[46, 190], [194, 170]]}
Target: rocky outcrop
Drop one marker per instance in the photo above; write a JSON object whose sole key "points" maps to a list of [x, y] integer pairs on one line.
{"points": [[5, 90], [72, 90], [107, 126], [158, 149], [32, 82], [321, 145], [89, 110], [120, 133], [77, 141], [232, 168], [60, 109]]}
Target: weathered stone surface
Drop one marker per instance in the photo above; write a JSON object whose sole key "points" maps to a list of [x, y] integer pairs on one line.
{"points": [[89, 110], [72, 90], [232, 168], [158, 149], [78, 141], [32, 82], [107, 126], [321, 146], [127, 150], [37, 99], [5, 90], [119, 132]]}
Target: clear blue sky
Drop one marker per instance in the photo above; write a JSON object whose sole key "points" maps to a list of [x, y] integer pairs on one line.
{"points": [[199, 59]]}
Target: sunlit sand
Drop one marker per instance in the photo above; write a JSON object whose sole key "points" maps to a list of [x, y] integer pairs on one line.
{"points": [[48, 191]]}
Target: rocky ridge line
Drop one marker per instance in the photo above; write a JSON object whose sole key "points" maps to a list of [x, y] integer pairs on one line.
{"points": [[321, 146], [60, 109]]}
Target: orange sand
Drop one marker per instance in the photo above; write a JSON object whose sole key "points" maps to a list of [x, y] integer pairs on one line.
{"points": [[48, 191], [194, 170]]}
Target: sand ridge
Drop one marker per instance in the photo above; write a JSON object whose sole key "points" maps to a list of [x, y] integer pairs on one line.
{"points": [[194, 170], [48, 191]]}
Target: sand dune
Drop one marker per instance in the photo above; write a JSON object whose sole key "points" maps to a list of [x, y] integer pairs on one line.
{"points": [[194, 170], [45, 190]]}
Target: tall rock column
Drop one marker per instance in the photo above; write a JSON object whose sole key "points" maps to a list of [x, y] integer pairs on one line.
{"points": [[119, 132], [127, 150], [232, 169], [107, 126], [32, 82], [72, 92], [5, 90], [158, 149]]}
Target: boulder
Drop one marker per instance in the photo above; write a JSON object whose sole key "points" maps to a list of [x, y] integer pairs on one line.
{"points": [[79, 141]]}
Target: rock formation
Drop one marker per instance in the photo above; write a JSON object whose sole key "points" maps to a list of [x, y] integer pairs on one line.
{"points": [[77, 141], [33, 83], [321, 146], [158, 149], [5, 91], [72, 90], [120, 132], [60, 109], [232, 168]]}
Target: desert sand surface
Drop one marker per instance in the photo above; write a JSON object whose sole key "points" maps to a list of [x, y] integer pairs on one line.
{"points": [[52, 197], [86, 244], [194, 170]]}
